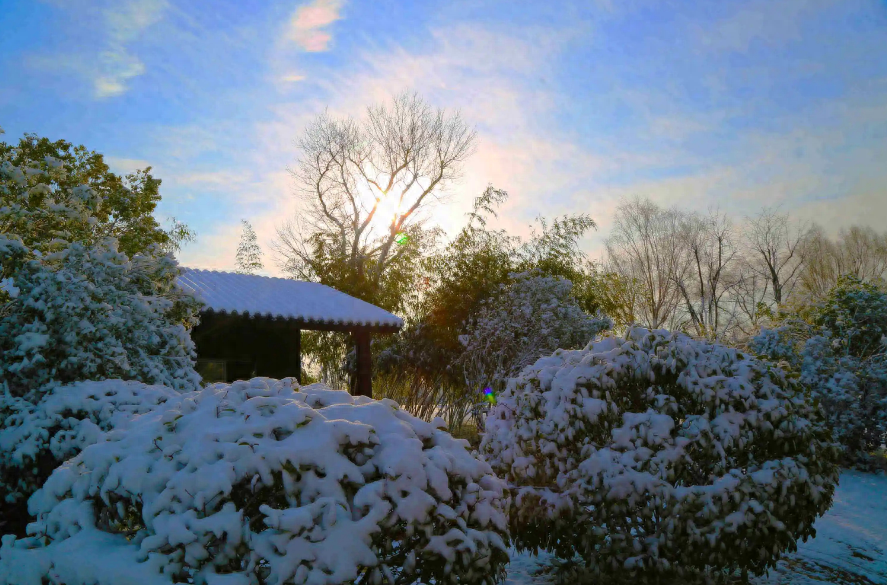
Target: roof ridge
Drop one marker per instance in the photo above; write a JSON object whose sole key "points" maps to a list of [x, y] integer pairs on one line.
{"points": [[253, 275]]}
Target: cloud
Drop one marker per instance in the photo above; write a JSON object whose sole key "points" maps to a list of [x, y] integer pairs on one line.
{"points": [[635, 135], [125, 22], [114, 26], [308, 23], [123, 166], [767, 22], [116, 68]]}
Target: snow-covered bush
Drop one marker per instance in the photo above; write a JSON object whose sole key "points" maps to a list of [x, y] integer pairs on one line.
{"points": [[266, 482], [657, 452], [852, 393], [35, 438], [91, 313], [840, 352], [72, 307], [530, 317]]}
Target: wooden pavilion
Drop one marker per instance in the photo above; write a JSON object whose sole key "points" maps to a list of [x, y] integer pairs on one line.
{"points": [[252, 325]]}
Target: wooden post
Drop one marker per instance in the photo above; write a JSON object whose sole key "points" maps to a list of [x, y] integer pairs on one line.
{"points": [[298, 356], [364, 364]]}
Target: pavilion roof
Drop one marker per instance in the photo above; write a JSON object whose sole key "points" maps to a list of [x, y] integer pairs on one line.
{"points": [[310, 304]]}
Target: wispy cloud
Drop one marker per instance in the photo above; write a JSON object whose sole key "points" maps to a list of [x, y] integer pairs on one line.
{"points": [[762, 22], [291, 77], [308, 25], [109, 63], [125, 22]]}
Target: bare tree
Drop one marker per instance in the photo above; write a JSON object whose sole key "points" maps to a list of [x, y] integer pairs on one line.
{"points": [[365, 185], [705, 278], [645, 248], [859, 251], [751, 292], [776, 251]]}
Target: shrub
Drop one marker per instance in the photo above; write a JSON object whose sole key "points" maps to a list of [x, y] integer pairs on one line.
{"points": [[656, 452], [91, 313], [35, 438], [266, 482], [530, 317], [840, 353]]}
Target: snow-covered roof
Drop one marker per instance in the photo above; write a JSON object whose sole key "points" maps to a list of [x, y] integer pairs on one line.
{"points": [[309, 302]]}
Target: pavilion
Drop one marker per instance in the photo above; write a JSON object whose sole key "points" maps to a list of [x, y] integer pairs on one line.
{"points": [[251, 325]]}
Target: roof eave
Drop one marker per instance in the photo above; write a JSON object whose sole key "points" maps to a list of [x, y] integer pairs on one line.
{"points": [[314, 324]]}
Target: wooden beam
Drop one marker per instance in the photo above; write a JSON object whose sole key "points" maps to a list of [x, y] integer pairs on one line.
{"points": [[364, 364]]}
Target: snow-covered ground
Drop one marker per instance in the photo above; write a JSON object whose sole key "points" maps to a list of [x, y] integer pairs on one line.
{"points": [[851, 539], [850, 547]]}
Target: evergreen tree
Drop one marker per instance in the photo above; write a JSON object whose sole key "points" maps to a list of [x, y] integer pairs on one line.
{"points": [[249, 254], [86, 294]]}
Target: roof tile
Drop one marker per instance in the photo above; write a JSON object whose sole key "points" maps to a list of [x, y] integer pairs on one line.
{"points": [[229, 292]]}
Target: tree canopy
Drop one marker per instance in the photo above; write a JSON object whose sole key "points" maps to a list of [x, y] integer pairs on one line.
{"points": [[121, 207]]}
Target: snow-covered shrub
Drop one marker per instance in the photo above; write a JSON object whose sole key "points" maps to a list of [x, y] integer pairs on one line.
{"points": [[851, 392], [657, 452], [266, 482], [531, 317], [91, 314], [840, 352], [72, 307], [855, 314], [35, 438]]}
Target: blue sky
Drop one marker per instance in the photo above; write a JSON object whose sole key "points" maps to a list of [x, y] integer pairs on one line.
{"points": [[577, 104]]}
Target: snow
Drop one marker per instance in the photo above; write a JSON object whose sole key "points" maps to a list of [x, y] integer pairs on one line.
{"points": [[851, 539], [263, 479], [850, 546], [228, 292], [636, 448], [62, 423], [8, 286], [89, 312]]}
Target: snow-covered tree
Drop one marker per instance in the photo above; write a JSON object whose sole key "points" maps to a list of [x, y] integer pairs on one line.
{"points": [[121, 207], [263, 481], [659, 453], [75, 308], [840, 352], [530, 317], [72, 306], [91, 313], [249, 254]]}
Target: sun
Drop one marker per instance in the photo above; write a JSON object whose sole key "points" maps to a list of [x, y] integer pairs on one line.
{"points": [[390, 207], [387, 210]]}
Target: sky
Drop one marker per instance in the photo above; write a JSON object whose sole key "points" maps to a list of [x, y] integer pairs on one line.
{"points": [[577, 105]]}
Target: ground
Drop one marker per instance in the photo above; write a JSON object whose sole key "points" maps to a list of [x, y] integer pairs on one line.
{"points": [[850, 547]]}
